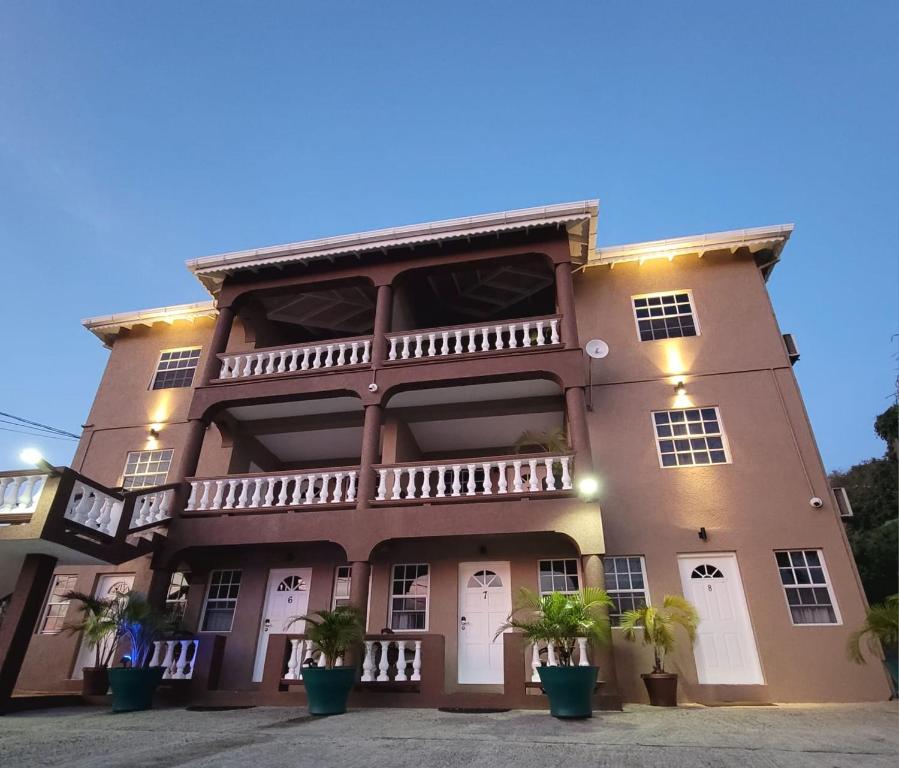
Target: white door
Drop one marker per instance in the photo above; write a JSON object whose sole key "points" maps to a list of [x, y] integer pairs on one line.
{"points": [[287, 596], [725, 649], [109, 585], [485, 600]]}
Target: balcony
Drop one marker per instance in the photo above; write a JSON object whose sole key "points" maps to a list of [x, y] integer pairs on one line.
{"points": [[293, 360]]}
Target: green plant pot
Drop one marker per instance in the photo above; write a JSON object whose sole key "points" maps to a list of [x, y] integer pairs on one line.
{"points": [[132, 689], [570, 690], [328, 689]]}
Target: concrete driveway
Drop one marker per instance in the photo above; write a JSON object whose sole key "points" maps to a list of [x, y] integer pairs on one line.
{"points": [[789, 735]]}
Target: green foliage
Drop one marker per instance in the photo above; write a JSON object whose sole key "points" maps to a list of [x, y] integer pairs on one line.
{"points": [[561, 619], [136, 620], [658, 625], [881, 627], [334, 632], [887, 428], [96, 624], [550, 441]]}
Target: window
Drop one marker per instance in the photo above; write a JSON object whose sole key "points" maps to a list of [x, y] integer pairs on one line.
{"points": [[409, 597], [626, 585], [342, 581], [221, 600], [805, 582], [176, 368], [176, 597], [559, 576], [144, 469], [690, 437], [664, 316], [57, 604]]}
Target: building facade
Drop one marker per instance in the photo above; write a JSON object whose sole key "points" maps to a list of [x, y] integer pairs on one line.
{"points": [[406, 421]]}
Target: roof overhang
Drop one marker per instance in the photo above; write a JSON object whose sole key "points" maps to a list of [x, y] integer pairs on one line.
{"points": [[107, 327], [758, 240], [579, 219]]}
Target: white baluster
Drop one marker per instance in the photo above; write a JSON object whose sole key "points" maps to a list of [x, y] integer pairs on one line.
{"points": [[426, 483], [231, 497], [282, 361], [271, 368], [165, 506], [248, 365], [139, 517], [257, 492], [181, 661], [338, 487], [354, 353], [458, 348], [540, 340], [368, 664], [322, 659], [307, 353], [554, 331], [392, 354], [204, 499], [317, 357], [341, 352], [270, 491], [156, 660], [441, 482], [366, 351], [410, 486], [5, 483], [419, 345], [310, 648], [219, 493], [406, 346], [432, 344], [526, 335], [397, 487], [551, 654], [485, 339], [169, 657], [260, 363], [513, 342], [471, 487], [444, 346], [382, 484], [282, 495], [294, 359], [535, 663], [323, 497], [499, 337], [533, 480], [416, 662], [351, 490], [566, 478], [472, 340], [383, 665], [297, 496], [292, 660], [329, 352], [583, 661], [310, 490], [457, 484], [502, 486], [401, 662], [243, 500], [550, 478], [517, 486], [223, 371], [488, 483], [192, 499]]}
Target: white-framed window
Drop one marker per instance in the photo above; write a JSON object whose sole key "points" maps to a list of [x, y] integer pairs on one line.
{"points": [[57, 605], [342, 580], [144, 469], [410, 588], [221, 601], [176, 596], [807, 586], [690, 437], [625, 584], [665, 315], [559, 575], [176, 368]]}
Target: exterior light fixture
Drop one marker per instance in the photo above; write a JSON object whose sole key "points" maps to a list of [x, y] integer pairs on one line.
{"points": [[680, 388], [34, 457], [588, 487], [703, 535], [154, 433]]}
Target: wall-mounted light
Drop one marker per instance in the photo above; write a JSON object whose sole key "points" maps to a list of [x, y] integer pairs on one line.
{"points": [[703, 535], [34, 457], [587, 487], [154, 433], [680, 388]]}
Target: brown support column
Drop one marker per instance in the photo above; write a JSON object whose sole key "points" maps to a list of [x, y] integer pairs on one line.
{"points": [[371, 448], [20, 619], [565, 302], [217, 344], [359, 581], [383, 313], [594, 576], [578, 431]]}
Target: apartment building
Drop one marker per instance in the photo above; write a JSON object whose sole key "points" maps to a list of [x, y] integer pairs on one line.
{"points": [[407, 421]]}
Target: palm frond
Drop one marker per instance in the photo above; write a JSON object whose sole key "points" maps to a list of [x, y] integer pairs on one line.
{"points": [[881, 628], [334, 632], [658, 624]]}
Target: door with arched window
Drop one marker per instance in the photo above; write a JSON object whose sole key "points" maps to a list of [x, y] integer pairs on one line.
{"points": [[485, 599], [287, 596], [108, 586]]}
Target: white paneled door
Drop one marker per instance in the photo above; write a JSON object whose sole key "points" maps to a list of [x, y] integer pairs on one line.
{"points": [[725, 649], [287, 596], [110, 585], [485, 599]]}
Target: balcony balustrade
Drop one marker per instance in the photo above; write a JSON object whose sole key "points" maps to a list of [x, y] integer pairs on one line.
{"points": [[19, 495], [177, 657], [152, 507], [278, 490], [450, 480], [552, 658], [507, 336], [386, 659], [94, 508], [295, 359]]}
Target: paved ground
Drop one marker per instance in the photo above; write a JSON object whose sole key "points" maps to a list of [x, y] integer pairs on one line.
{"points": [[831, 736]]}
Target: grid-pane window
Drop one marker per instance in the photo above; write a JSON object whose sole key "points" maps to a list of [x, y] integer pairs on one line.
{"points": [[342, 581], [176, 597], [176, 368], [409, 591], [626, 584], [558, 576], [221, 600], [57, 604], [664, 316], [689, 437], [805, 583], [144, 469]]}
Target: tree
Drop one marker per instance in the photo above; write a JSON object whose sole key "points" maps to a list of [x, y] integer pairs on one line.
{"points": [[873, 531]]}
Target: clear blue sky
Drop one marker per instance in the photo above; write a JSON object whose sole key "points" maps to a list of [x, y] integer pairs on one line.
{"points": [[136, 135]]}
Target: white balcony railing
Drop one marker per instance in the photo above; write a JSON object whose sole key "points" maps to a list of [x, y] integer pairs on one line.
{"points": [[470, 339], [19, 494], [94, 509], [295, 359], [304, 653], [332, 486], [152, 507], [377, 666], [484, 477], [552, 659], [177, 656]]}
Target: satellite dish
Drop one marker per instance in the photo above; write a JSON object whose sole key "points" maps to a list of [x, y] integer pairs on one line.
{"points": [[596, 348]]}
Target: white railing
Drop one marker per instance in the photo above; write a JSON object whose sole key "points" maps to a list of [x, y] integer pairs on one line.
{"points": [[552, 659], [279, 490], [437, 342], [176, 656], [92, 508], [153, 507], [376, 666], [332, 354], [303, 653], [20, 494], [534, 474]]}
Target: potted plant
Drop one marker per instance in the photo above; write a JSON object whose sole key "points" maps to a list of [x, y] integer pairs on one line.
{"points": [[561, 619], [658, 625], [133, 685], [881, 628], [335, 633], [98, 632]]}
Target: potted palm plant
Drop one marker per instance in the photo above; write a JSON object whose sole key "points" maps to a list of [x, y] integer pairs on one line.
{"points": [[133, 685], [98, 632], [335, 633], [881, 628], [561, 619], [658, 625]]}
